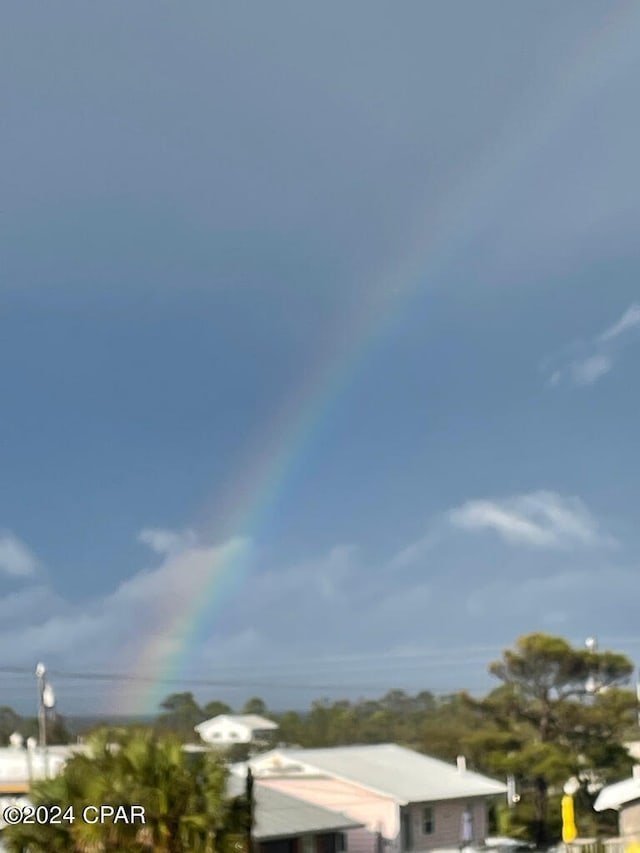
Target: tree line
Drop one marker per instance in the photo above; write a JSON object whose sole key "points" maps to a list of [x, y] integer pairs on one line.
{"points": [[13, 723], [557, 713]]}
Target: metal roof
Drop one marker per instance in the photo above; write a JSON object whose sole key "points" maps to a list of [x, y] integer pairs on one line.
{"points": [[393, 771], [615, 796], [278, 815], [252, 721]]}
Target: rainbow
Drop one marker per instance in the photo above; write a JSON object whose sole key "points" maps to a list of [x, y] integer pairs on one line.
{"points": [[436, 239]]}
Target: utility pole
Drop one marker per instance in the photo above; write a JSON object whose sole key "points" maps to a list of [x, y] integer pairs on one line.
{"points": [[42, 713], [46, 701]]}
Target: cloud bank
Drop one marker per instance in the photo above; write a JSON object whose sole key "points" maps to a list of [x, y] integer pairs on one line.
{"points": [[335, 617]]}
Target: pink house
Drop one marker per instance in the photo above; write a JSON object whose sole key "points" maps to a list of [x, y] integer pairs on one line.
{"points": [[406, 801]]}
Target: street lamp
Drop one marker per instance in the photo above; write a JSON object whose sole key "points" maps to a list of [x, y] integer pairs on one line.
{"points": [[591, 685]]}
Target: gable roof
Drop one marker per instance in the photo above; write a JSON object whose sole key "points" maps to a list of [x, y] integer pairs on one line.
{"points": [[393, 771], [615, 796], [252, 721]]}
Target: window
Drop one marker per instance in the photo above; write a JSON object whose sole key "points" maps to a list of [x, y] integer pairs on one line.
{"points": [[428, 824], [467, 825]]}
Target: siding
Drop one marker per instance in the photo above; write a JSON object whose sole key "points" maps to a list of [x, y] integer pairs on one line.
{"points": [[447, 823], [629, 819], [362, 841]]}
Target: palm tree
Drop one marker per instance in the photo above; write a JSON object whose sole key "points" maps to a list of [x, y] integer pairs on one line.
{"points": [[183, 796]]}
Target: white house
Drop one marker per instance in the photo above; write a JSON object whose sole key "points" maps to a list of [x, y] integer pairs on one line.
{"points": [[405, 800], [226, 729], [21, 764], [624, 797]]}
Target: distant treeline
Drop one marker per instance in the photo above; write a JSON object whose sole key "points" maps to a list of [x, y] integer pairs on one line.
{"points": [[11, 722], [558, 712], [437, 725]]}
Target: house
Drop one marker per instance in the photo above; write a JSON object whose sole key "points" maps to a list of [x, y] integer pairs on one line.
{"points": [[404, 800], [226, 729], [21, 764], [624, 797], [633, 746], [286, 824]]}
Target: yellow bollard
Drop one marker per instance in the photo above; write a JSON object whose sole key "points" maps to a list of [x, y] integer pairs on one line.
{"points": [[569, 831]]}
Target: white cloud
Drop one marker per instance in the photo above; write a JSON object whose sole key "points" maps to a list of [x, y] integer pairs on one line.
{"points": [[539, 519], [337, 607], [596, 357], [629, 320], [93, 634], [410, 554], [591, 369], [15, 558], [166, 542]]}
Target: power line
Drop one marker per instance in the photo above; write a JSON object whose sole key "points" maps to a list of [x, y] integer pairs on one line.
{"points": [[423, 659], [126, 678]]}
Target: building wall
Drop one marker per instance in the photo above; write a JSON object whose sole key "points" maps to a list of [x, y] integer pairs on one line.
{"points": [[22, 765], [447, 823], [226, 731], [363, 841], [630, 819]]}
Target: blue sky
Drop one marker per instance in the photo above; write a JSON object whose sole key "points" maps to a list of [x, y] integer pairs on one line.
{"points": [[414, 230]]}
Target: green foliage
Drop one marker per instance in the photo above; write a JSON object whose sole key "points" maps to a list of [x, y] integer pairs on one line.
{"points": [[215, 708], [542, 724], [255, 705], [181, 713], [57, 731], [183, 797], [11, 722]]}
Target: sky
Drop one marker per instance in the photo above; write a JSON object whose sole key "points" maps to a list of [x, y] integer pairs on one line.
{"points": [[318, 333]]}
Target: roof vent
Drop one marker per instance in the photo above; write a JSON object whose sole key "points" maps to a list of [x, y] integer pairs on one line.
{"points": [[461, 761], [636, 771]]}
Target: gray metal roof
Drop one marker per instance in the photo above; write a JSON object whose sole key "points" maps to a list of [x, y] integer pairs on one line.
{"points": [[394, 771], [278, 815]]}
